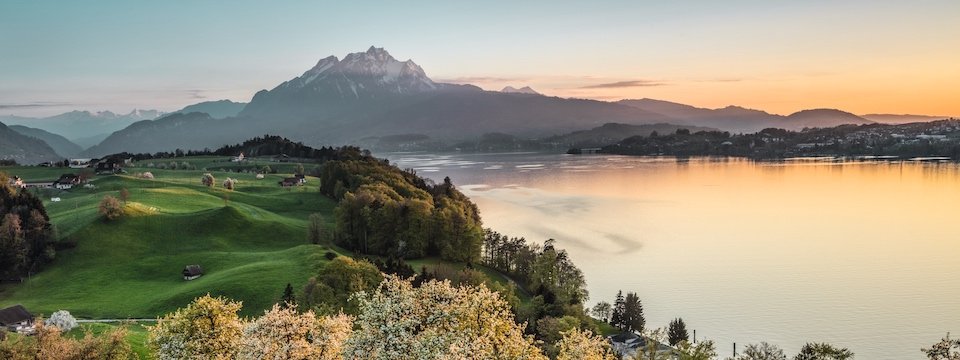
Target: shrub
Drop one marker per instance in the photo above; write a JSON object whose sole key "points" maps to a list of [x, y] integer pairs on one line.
{"points": [[62, 320], [330, 255], [208, 179], [110, 208]]}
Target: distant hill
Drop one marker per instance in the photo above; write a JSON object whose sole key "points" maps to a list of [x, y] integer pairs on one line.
{"points": [[216, 109], [739, 119], [24, 149], [193, 131], [65, 148], [523, 90], [82, 124], [611, 133], [731, 118], [901, 119], [823, 118]]}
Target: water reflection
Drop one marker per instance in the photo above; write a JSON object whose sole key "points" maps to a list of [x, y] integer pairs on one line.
{"points": [[861, 253]]}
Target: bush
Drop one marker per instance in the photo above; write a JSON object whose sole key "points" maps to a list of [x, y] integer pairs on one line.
{"points": [[330, 255], [147, 175], [110, 208], [62, 320], [229, 183], [208, 180]]}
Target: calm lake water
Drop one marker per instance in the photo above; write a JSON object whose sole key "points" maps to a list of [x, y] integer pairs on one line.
{"points": [[859, 254]]}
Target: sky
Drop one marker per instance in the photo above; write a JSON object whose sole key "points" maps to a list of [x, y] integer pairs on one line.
{"points": [[779, 56]]}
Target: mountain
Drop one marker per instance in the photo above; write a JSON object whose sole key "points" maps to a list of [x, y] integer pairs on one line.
{"points": [[739, 119], [612, 133], [24, 149], [901, 119], [193, 131], [80, 124], [63, 147], [217, 109], [731, 118], [823, 118], [523, 90], [371, 94]]}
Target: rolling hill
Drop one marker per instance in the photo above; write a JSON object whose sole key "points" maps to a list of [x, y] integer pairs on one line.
{"points": [[250, 246]]}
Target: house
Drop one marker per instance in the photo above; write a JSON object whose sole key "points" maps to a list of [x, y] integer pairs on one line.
{"points": [[191, 272], [79, 163], [108, 166], [17, 319], [290, 181], [66, 181]]}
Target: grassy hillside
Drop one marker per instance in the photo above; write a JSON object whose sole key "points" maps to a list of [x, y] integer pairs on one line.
{"points": [[250, 241]]}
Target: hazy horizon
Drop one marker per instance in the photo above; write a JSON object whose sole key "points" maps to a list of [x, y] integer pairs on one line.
{"points": [[859, 56]]}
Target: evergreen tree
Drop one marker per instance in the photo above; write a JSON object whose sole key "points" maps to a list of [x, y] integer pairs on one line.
{"points": [[288, 300], [633, 313], [677, 332], [616, 318]]}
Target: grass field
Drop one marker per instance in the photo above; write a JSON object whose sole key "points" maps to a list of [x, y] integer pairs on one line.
{"points": [[251, 242]]}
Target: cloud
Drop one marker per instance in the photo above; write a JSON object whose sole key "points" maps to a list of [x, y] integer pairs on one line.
{"points": [[37, 104], [624, 84], [482, 79]]}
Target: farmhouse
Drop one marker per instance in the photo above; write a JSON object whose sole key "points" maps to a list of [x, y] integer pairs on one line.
{"points": [[17, 319], [66, 181], [301, 178], [238, 158], [628, 344], [79, 163], [191, 272]]}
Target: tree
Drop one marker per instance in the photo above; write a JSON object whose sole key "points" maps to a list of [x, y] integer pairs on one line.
{"points": [[48, 343], [299, 170], [208, 180], [229, 183], [436, 321], [651, 349], [283, 334], [602, 311], [677, 332], [266, 169], [207, 328], [124, 195], [584, 345], [633, 319], [823, 351], [110, 208], [288, 300], [62, 320], [317, 229], [704, 350], [946, 349], [329, 292], [762, 351], [616, 316]]}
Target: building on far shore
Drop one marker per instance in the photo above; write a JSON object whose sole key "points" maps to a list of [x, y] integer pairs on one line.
{"points": [[16, 319]]}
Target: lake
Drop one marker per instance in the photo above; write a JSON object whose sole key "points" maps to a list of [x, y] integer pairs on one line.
{"points": [[865, 255]]}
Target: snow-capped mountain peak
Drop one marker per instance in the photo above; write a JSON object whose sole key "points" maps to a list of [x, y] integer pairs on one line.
{"points": [[364, 72]]}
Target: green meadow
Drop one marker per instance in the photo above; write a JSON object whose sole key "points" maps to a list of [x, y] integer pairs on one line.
{"points": [[251, 241]]}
